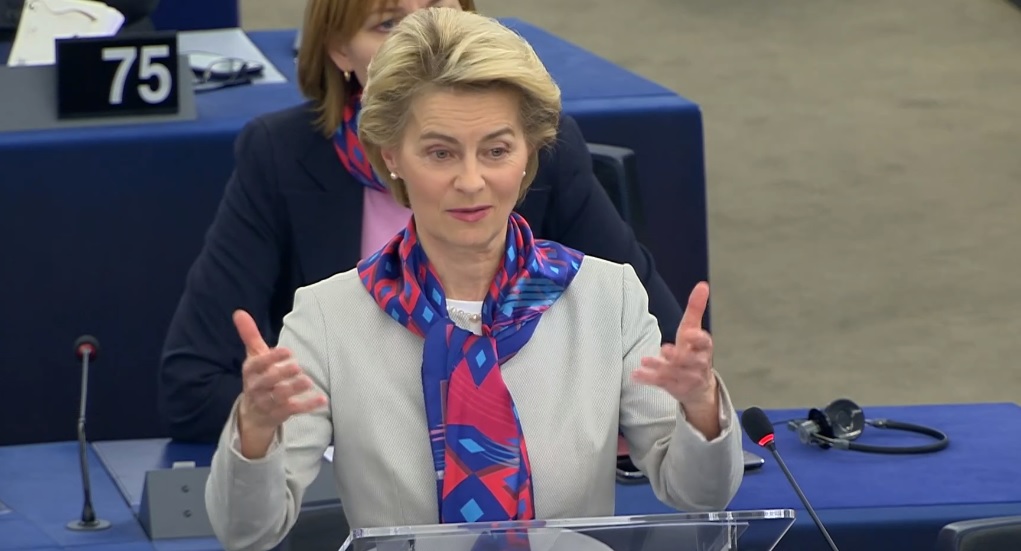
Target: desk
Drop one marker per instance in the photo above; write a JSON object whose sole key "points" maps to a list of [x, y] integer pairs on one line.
{"points": [[876, 502], [868, 502], [41, 484], [100, 226]]}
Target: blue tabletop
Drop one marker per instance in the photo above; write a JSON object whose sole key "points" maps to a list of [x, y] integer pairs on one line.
{"points": [[972, 470], [41, 484]]}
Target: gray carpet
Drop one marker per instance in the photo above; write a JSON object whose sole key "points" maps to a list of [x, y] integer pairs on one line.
{"points": [[864, 167]]}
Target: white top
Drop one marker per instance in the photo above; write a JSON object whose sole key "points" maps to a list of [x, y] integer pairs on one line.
{"points": [[462, 308], [571, 384]]}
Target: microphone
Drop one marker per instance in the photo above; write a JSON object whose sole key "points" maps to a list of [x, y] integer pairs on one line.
{"points": [[760, 429], [86, 349]]}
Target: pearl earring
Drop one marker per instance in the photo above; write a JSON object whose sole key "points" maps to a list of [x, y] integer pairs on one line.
{"points": [[524, 173], [347, 76], [393, 176]]}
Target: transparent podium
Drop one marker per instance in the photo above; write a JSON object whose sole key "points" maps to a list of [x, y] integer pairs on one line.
{"points": [[722, 531]]}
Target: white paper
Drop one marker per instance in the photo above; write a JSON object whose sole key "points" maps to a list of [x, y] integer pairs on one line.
{"points": [[44, 21]]}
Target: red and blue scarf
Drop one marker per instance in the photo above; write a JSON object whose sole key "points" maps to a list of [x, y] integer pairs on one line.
{"points": [[349, 147], [478, 448]]}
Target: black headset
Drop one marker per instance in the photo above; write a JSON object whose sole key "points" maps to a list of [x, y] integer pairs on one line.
{"points": [[843, 421]]}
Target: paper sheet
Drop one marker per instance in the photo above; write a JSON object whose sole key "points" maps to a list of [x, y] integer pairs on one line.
{"points": [[44, 21]]}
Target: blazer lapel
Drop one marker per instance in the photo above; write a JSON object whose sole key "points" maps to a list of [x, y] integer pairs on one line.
{"points": [[326, 217]]}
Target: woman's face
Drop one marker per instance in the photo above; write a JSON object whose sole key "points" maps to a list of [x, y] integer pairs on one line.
{"points": [[354, 57], [462, 158]]}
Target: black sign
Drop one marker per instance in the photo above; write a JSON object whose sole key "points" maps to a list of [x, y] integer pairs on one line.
{"points": [[117, 76]]}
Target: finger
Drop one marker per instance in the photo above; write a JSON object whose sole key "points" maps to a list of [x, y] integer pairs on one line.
{"points": [[274, 375], [257, 365], [295, 386], [695, 339], [306, 403], [649, 376], [693, 314], [249, 333], [674, 366], [656, 363]]}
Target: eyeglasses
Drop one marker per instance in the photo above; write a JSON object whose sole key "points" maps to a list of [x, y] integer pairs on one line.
{"points": [[222, 73]]}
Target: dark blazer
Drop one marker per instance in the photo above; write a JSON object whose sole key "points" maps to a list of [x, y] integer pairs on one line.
{"points": [[291, 215]]}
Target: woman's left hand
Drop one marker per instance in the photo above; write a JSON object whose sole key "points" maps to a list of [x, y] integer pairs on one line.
{"points": [[685, 369]]}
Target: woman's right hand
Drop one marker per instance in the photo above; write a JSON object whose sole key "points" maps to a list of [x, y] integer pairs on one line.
{"points": [[273, 389]]}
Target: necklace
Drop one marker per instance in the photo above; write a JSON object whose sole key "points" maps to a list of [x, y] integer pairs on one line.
{"points": [[464, 316]]}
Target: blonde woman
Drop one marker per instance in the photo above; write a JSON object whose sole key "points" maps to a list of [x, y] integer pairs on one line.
{"points": [[468, 371], [304, 204]]}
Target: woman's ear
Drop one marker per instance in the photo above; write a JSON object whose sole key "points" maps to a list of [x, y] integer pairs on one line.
{"points": [[389, 155], [339, 57]]}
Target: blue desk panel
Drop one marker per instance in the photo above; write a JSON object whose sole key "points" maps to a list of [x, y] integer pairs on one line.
{"points": [[869, 502], [102, 224]]}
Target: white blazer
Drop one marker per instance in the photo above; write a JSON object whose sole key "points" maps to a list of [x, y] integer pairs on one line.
{"points": [[573, 390]]}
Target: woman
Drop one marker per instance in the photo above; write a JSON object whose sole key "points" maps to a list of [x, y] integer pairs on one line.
{"points": [[303, 204], [437, 363]]}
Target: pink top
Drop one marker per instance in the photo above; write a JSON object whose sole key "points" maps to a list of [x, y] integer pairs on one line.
{"points": [[382, 219]]}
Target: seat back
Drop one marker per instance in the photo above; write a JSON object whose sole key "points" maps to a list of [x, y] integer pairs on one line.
{"points": [[616, 168], [988, 534]]}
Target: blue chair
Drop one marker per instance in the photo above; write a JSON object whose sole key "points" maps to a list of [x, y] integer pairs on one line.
{"points": [[986, 534], [191, 15]]}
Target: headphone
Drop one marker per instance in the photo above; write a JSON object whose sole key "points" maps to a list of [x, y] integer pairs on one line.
{"points": [[843, 421]]}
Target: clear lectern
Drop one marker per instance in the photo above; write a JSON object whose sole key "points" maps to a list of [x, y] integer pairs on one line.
{"points": [[722, 531]]}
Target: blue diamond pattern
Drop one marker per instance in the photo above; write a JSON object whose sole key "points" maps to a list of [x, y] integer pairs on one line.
{"points": [[395, 315], [480, 358], [470, 445], [511, 254], [437, 298], [471, 511], [427, 315]]}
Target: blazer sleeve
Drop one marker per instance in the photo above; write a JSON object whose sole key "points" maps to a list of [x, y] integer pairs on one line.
{"points": [[238, 267], [686, 471], [253, 504], [583, 217]]}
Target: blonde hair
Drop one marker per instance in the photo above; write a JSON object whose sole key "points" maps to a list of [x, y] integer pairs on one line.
{"points": [[329, 22], [442, 48]]}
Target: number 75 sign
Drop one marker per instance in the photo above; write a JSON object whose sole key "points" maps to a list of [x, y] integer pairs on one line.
{"points": [[117, 76]]}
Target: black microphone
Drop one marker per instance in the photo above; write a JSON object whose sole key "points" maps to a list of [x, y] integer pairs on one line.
{"points": [[760, 429], [86, 349]]}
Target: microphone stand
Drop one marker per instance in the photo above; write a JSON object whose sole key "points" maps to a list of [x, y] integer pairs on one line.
{"points": [[88, 520]]}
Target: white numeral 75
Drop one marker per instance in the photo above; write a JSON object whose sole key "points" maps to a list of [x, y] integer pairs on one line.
{"points": [[147, 69]]}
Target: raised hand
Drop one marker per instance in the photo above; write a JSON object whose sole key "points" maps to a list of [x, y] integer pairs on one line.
{"points": [[685, 369], [274, 386]]}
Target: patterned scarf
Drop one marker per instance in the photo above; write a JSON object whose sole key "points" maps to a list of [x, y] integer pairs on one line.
{"points": [[349, 147], [478, 448]]}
